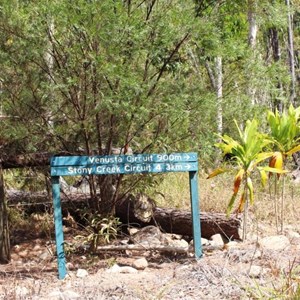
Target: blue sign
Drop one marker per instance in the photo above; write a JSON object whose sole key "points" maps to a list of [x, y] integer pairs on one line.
{"points": [[122, 164], [123, 168], [59, 161]]}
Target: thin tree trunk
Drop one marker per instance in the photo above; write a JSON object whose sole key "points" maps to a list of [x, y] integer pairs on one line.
{"points": [[252, 34], [219, 90], [276, 51], [252, 24], [291, 54], [4, 231]]}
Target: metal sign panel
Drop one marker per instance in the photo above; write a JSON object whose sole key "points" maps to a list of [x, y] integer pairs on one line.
{"points": [[58, 161], [123, 168]]}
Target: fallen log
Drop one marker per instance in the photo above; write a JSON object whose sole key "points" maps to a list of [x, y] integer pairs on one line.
{"points": [[180, 221], [168, 219]]}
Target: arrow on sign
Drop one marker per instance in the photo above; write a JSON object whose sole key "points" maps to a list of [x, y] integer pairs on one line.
{"points": [[186, 157]]}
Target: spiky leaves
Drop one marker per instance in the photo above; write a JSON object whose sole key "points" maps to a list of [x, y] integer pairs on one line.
{"points": [[285, 131], [246, 152]]}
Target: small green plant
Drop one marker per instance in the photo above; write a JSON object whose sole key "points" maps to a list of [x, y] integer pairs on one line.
{"points": [[101, 230], [246, 153], [284, 133]]}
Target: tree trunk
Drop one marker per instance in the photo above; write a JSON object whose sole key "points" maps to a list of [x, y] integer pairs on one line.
{"points": [[252, 34], [219, 91], [276, 52], [4, 231], [252, 24], [291, 54]]}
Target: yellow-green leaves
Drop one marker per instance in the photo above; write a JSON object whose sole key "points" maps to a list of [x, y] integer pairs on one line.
{"points": [[285, 129], [217, 172], [247, 152]]}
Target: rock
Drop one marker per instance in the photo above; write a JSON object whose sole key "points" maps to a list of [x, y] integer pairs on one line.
{"points": [[203, 242], [217, 241], [140, 264], [127, 269], [82, 273], [178, 243], [44, 255], [148, 236], [276, 242], [232, 245], [70, 266], [114, 269], [66, 295], [292, 234], [255, 271], [21, 292], [117, 269]]}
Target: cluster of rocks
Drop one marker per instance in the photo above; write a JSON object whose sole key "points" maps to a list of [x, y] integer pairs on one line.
{"points": [[227, 270]]}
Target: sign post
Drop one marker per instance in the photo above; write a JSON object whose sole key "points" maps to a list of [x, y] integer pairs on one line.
{"points": [[123, 164]]}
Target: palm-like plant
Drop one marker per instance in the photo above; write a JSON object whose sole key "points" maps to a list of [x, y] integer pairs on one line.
{"points": [[246, 153], [284, 132]]}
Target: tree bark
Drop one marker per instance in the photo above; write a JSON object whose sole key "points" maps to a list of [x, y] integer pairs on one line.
{"points": [[4, 231]]}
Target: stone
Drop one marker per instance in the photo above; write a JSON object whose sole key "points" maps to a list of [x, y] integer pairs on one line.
{"points": [[127, 269], [82, 273], [204, 242], [21, 292], [232, 245], [66, 295], [179, 243], [148, 236], [117, 269], [70, 266], [217, 241], [292, 234], [255, 271], [275, 242], [140, 263], [44, 255]]}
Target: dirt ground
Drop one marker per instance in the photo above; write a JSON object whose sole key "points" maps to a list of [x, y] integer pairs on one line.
{"points": [[239, 271]]}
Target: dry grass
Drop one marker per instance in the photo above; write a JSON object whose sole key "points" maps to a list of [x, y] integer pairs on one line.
{"points": [[215, 193]]}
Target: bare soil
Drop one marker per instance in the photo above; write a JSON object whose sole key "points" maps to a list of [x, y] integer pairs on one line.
{"points": [[227, 273]]}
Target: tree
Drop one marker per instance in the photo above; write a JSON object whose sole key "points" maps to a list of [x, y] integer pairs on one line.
{"points": [[112, 75], [4, 230]]}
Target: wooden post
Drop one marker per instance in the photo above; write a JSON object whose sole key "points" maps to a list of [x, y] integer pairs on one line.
{"points": [[59, 235], [4, 231], [195, 213]]}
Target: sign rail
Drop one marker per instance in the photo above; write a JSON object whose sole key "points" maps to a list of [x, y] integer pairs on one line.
{"points": [[123, 164]]}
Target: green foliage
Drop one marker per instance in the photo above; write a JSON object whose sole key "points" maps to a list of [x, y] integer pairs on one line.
{"points": [[285, 130], [246, 153], [100, 230]]}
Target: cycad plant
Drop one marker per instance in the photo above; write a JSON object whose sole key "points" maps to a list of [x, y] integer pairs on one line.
{"points": [[246, 153], [284, 133]]}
